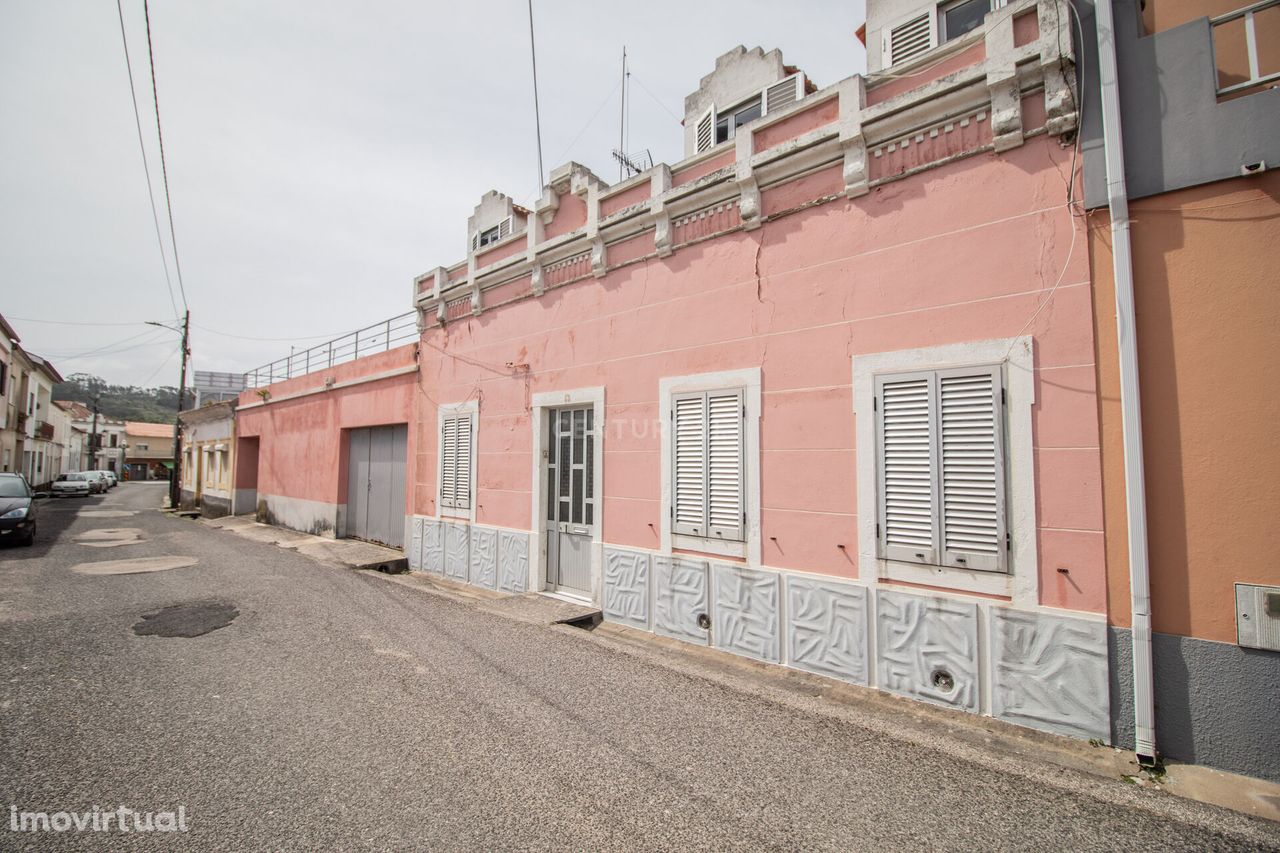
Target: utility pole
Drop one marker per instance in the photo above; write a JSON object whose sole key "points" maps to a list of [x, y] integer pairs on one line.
{"points": [[93, 438], [175, 489]]}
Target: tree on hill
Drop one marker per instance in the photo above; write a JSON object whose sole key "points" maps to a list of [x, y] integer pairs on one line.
{"points": [[122, 402]]}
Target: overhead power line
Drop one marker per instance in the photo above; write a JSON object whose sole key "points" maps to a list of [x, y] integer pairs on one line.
{"points": [[164, 169], [137, 120], [275, 340], [72, 322]]}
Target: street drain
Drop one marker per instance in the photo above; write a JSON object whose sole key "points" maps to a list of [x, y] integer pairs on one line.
{"points": [[186, 620]]}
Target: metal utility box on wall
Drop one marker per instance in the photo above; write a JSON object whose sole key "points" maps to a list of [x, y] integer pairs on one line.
{"points": [[1258, 616]]}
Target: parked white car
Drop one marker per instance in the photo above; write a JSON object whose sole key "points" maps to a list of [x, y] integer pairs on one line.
{"points": [[97, 481], [112, 482], [72, 485]]}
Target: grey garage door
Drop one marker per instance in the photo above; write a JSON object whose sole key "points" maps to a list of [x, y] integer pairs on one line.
{"points": [[375, 484]]}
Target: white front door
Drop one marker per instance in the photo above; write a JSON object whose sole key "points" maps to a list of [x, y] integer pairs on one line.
{"points": [[571, 514]]}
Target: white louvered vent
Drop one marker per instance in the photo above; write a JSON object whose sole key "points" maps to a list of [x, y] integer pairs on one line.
{"points": [[475, 242], [909, 39], [725, 439], [504, 228], [972, 473], [689, 480], [906, 468], [784, 92], [707, 130]]}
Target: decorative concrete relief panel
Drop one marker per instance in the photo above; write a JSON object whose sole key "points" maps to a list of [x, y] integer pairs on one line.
{"points": [[414, 538], [626, 587], [456, 550], [746, 611], [680, 599], [928, 648], [1050, 672], [484, 557], [432, 546], [827, 628], [513, 561]]}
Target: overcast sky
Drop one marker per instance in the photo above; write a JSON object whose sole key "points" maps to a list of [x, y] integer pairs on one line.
{"points": [[320, 154]]}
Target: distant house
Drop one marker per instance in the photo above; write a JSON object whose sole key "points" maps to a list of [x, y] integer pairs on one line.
{"points": [[208, 444], [106, 433], [148, 452]]}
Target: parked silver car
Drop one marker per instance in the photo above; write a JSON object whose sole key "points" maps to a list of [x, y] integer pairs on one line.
{"points": [[72, 485], [112, 481], [97, 482]]}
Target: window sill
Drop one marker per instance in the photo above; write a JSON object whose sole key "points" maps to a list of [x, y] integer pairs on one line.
{"points": [[961, 580], [717, 547]]}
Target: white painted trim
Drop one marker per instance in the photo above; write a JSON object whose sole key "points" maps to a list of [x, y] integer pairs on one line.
{"points": [[468, 407], [541, 403], [386, 374], [748, 379], [1015, 355]]}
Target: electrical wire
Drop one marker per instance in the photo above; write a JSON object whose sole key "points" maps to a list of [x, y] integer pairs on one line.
{"points": [[679, 120], [537, 115], [137, 120], [73, 323], [163, 364], [272, 340], [109, 349], [164, 169], [1071, 178]]}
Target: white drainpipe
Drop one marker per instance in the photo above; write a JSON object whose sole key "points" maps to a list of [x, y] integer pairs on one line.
{"points": [[1144, 728]]}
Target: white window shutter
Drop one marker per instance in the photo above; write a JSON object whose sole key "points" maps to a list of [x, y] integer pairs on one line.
{"points": [[725, 442], [784, 92], [504, 228], [706, 129], [448, 461], [905, 413], [909, 39], [462, 456], [689, 465], [971, 450]]}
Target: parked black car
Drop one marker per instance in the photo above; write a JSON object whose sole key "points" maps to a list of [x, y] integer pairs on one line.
{"points": [[17, 509]]}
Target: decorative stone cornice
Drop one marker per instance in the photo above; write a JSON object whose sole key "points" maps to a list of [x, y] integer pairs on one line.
{"points": [[992, 89]]}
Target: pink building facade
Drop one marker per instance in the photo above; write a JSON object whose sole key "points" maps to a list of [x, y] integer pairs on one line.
{"points": [[821, 394]]}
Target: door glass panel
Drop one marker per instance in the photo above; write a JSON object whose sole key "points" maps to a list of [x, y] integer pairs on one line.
{"points": [[590, 464], [587, 514], [564, 466], [579, 428], [577, 495]]}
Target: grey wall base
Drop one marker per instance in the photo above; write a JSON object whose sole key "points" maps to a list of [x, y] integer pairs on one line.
{"points": [[1216, 703]]}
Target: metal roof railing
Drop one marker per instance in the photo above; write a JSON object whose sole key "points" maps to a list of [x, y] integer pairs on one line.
{"points": [[379, 337]]}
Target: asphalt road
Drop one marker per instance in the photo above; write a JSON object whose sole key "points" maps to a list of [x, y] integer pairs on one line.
{"points": [[340, 709]]}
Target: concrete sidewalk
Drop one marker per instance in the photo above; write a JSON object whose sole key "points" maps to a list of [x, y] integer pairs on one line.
{"points": [[343, 553]]}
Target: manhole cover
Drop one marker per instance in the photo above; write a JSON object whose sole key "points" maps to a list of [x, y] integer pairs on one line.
{"points": [[186, 620], [133, 567]]}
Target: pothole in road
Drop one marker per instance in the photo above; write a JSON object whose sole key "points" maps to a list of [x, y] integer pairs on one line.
{"points": [[133, 567], [187, 620], [110, 537]]}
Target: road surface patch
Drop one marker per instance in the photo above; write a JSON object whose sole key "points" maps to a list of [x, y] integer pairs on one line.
{"points": [[189, 620], [133, 567], [110, 537]]}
